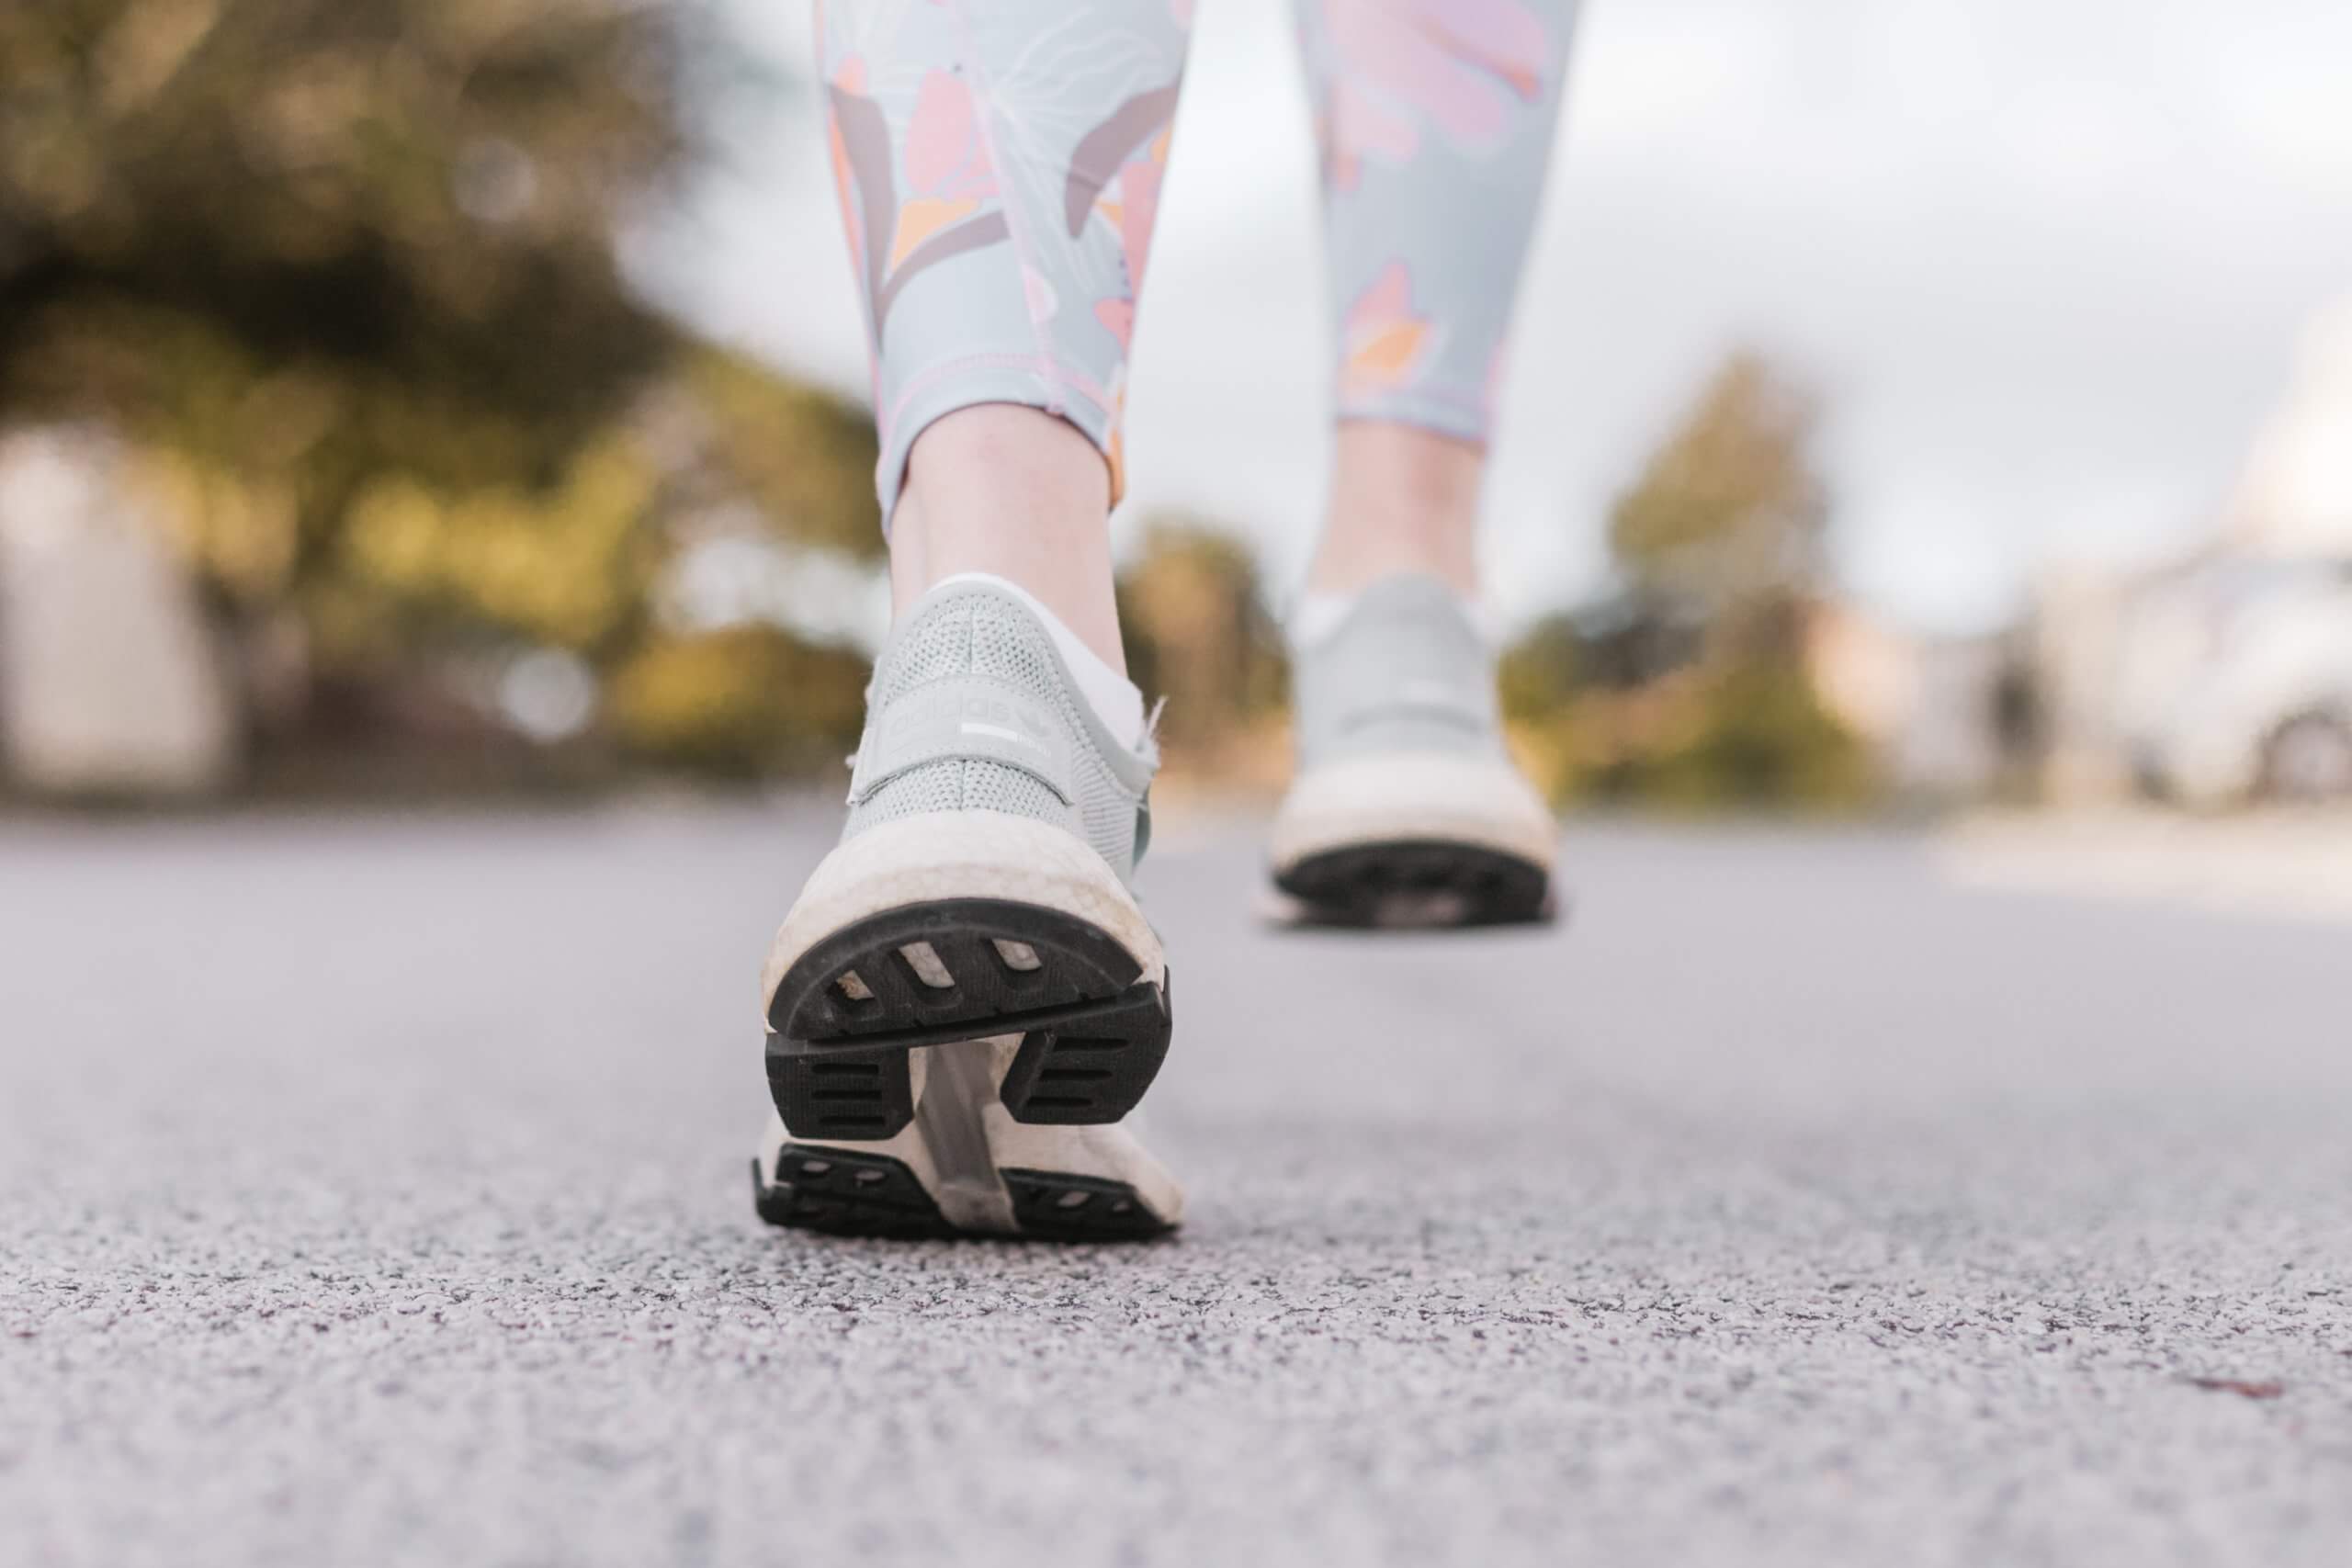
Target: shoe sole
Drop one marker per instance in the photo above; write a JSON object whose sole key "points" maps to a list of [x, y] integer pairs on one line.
{"points": [[1415, 841], [1418, 884], [838, 1191], [841, 1192], [1094, 1029], [963, 1167], [954, 927]]}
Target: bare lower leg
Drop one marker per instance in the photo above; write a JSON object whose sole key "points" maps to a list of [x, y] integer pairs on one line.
{"points": [[1003, 488], [1402, 499]]}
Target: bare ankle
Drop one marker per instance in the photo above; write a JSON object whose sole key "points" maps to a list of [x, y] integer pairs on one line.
{"points": [[1017, 493], [1402, 499]]}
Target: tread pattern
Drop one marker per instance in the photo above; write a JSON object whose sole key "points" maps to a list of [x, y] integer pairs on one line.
{"points": [[1061, 1206], [846, 1095], [1418, 884], [1094, 1070], [844, 1193], [847, 1012]]}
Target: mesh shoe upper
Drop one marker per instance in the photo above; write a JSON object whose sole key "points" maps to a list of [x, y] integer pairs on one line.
{"points": [[1406, 671], [971, 708]]}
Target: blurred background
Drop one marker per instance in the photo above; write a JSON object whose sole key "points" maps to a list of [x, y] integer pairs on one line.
{"points": [[461, 398]]}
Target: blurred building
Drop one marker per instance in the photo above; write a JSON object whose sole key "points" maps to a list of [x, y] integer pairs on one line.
{"points": [[2295, 498], [1930, 707], [111, 682], [2224, 672]]}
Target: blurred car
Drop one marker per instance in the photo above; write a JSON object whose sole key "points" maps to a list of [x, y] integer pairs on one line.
{"points": [[2235, 683]]}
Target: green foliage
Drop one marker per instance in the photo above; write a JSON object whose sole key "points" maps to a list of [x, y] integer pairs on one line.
{"points": [[1693, 691], [1198, 634], [1746, 738], [397, 212], [1758, 737], [744, 701], [804, 457], [1726, 518], [1539, 672], [343, 274], [306, 249], [562, 566]]}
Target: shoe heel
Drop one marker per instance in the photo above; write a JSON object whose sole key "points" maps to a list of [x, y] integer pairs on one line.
{"points": [[1094, 1069], [841, 1093], [945, 972]]}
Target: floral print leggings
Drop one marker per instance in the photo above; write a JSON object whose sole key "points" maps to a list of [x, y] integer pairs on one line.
{"points": [[999, 164]]}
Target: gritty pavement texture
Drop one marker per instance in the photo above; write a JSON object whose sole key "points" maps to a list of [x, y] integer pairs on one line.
{"points": [[373, 1191]]}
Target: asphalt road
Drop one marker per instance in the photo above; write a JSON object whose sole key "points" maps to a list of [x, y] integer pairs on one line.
{"points": [[373, 1191]]}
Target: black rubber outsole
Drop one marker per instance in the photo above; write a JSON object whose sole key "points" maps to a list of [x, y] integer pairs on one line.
{"points": [[1418, 884], [1057, 1205], [844, 1016], [844, 1192]]}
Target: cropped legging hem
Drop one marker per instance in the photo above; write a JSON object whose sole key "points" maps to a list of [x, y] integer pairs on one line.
{"points": [[1464, 418], [1029, 382]]}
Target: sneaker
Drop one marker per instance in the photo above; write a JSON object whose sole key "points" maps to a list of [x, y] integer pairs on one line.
{"points": [[966, 998], [1405, 808]]}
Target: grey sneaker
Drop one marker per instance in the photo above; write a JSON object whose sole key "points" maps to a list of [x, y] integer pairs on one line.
{"points": [[1405, 808], [965, 997]]}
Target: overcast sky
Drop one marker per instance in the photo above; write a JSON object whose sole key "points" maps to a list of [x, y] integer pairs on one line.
{"points": [[2045, 260]]}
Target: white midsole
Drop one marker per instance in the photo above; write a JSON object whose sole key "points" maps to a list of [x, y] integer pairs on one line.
{"points": [[960, 854], [1370, 800], [1109, 1152]]}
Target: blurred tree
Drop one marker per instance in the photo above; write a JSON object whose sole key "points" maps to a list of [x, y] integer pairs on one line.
{"points": [[1200, 636], [710, 702], [345, 271], [1726, 522], [1691, 688], [320, 238], [1539, 672], [802, 456], [1750, 735]]}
